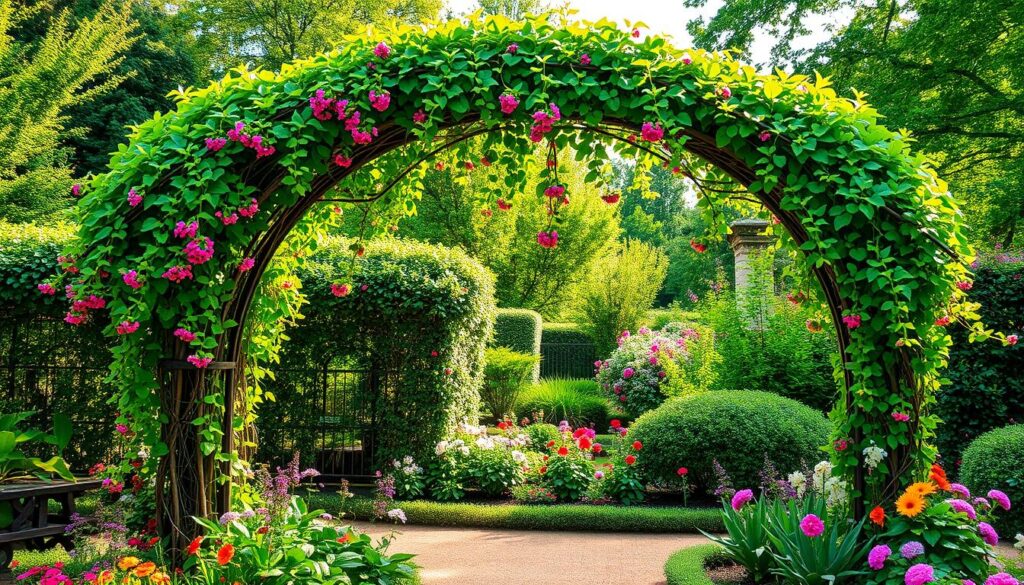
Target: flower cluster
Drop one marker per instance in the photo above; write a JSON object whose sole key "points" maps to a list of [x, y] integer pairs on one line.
{"points": [[543, 122], [253, 141]]}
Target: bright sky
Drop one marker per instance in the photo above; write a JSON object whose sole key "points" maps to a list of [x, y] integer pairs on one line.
{"points": [[666, 18]]}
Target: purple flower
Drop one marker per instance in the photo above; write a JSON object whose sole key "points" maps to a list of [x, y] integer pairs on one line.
{"points": [[741, 498], [960, 490], [1001, 579], [962, 506], [912, 549], [229, 517], [812, 526], [988, 534], [878, 556], [919, 574], [1000, 498]]}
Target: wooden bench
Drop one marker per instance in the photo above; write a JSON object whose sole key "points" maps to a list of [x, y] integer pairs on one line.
{"points": [[32, 521]]}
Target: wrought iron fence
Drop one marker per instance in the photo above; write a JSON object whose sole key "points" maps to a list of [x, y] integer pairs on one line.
{"points": [[567, 360]]}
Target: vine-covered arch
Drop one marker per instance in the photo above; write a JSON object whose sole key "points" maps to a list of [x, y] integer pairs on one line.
{"points": [[191, 238]]}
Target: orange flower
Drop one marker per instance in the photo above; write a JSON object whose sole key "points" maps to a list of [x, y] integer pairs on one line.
{"points": [[938, 475], [910, 503], [878, 516], [145, 569], [104, 578], [343, 539], [160, 578], [127, 563], [224, 554], [922, 488], [193, 547]]}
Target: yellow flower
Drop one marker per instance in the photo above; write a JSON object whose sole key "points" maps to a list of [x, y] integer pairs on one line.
{"points": [[910, 503], [145, 569], [923, 488], [128, 563], [160, 578], [104, 578]]}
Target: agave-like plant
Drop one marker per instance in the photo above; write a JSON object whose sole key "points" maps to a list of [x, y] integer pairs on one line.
{"points": [[747, 542]]}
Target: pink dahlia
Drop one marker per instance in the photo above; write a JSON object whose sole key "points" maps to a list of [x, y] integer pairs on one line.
{"points": [[127, 327], [651, 132], [184, 335], [382, 50], [988, 534], [741, 498], [199, 362], [1000, 498], [812, 526], [919, 574], [878, 555]]}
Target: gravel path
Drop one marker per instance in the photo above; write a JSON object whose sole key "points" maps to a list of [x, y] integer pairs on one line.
{"points": [[476, 556]]}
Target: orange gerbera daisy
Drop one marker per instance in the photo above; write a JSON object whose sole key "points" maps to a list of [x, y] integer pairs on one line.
{"points": [[145, 569], [128, 563], [160, 578], [878, 515], [938, 475], [224, 554], [922, 488], [910, 504]]}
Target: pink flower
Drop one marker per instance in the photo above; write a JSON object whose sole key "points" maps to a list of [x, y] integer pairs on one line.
{"points": [[76, 190], [852, 321], [199, 362], [382, 50], [1000, 498], [988, 534], [636, 33], [74, 318], [419, 116], [544, 122], [133, 198], [178, 273], [900, 417], [741, 498], [725, 92], [126, 327], [878, 555], [199, 251], [651, 132], [184, 335], [585, 59], [323, 108], [764, 136], [1002, 579], [236, 134], [340, 290], [131, 278], [47, 289], [261, 150], [183, 230], [547, 239], [687, 60], [682, 472], [1011, 340], [250, 210], [512, 49], [628, 373], [960, 490], [363, 137], [554, 191], [962, 506], [226, 219], [364, 288], [508, 102], [504, 205], [215, 144], [812, 526], [919, 574], [380, 101], [965, 285], [246, 264], [342, 161], [943, 321]]}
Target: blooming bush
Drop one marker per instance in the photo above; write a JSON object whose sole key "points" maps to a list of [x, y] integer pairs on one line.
{"points": [[635, 375], [993, 460], [408, 478], [622, 482], [474, 459], [567, 471]]}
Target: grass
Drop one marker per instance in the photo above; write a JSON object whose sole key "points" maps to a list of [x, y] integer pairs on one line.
{"points": [[574, 517], [578, 401], [686, 566]]}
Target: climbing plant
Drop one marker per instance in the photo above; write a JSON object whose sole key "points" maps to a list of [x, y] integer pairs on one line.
{"points": [[191, 240]]}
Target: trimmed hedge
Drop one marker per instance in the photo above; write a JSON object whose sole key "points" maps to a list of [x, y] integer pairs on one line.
{"points": [[995, 460], [567, 351], [560, 517], [738, 428], [519, 330], [687, 566], [564, 333]]}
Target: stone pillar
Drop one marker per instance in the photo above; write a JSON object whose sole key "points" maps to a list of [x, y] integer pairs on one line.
{"points": [[748, 240]]}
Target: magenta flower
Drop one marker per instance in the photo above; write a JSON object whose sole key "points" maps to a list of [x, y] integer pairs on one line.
{"points": [[651, 132], [962, 506], [764, 136], [178, 273], [547, 239], [1000, 498], [121, 429], [183, 230], [878, 555], [960, 490], [419, 116], [199, 362], [250, 210], [226, 219], [340, 290], [215, 144], [512, 49], [73, 318], [127, 327], [812, 526], [382, 50], [47, 289], [184, 335], [342, 161], [598, 474], [380, 101], [554, 191], [741, 498], [1002, 579], [852, 321], [988, 534], [260, 148], [1011, 340], [76, 190], [585, 59], [900, 416], [919, 574], [323, 107], [725, 92], [508, 102], [912, 550], [199, 251], [133, 198], [965, 285], [246, 264], [628, 373]]}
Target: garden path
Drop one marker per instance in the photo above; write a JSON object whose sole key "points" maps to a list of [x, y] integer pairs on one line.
{"points": [[482, 556]]}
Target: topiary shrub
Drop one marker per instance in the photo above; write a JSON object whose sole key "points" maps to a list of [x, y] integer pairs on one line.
{"points": [[736, 427], [506, 373], [567, 351], [578, 401], [519, 330], [417, 318], [993, 461]]}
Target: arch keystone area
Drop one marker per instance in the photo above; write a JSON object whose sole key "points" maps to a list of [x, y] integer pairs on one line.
{"points": [[197, 228]]}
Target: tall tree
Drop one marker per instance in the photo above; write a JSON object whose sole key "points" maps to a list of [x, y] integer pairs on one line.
{"points": [[948, 70], [39, 81]]}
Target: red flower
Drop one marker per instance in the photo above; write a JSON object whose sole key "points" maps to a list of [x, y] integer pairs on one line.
{"points": [[597, 447], [503, 425], [504, 205], [193, 546], [544, 469], [343, 539], [225, 554], [878, 516], [584, 444], [630, 459], [616, 423], [563, 451], [611, 199], [682, 471], [698, 247], [551, 444], [637, 445]]}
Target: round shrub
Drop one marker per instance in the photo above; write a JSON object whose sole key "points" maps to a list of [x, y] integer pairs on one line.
{"points": [[738, 428], [993, 461]]}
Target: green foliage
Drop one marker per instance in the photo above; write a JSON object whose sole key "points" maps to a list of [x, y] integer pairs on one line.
{"points": [[659, 318], [560, 517], [838, 555], [578, 401], [533, 494], [686, 566], [736, 428], [985, 388], [564, 333], [40, 79], [622, 481], [566, 351], [420, 325], [992, 461], [519, 330], [506, 373], [621, 288], [16, 443], [493, 471], [28, 256], [541, 434], [864, 207], [747, 542]]}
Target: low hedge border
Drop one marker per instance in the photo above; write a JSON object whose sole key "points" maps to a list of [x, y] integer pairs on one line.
{"points": [[687, 566], [559, 517]]}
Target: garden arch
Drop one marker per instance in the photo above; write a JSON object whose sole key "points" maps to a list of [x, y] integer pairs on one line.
{"points": [[190, 239]]}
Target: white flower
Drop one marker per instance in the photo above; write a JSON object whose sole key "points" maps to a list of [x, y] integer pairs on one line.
{"points": [[397, 464], [822, 472], [485, 443], [873, 455], [441, 447], [518, 456], [464, 450], [799, 482], [1019, 545], [408, 460], [835, 490], [397, 514]]}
